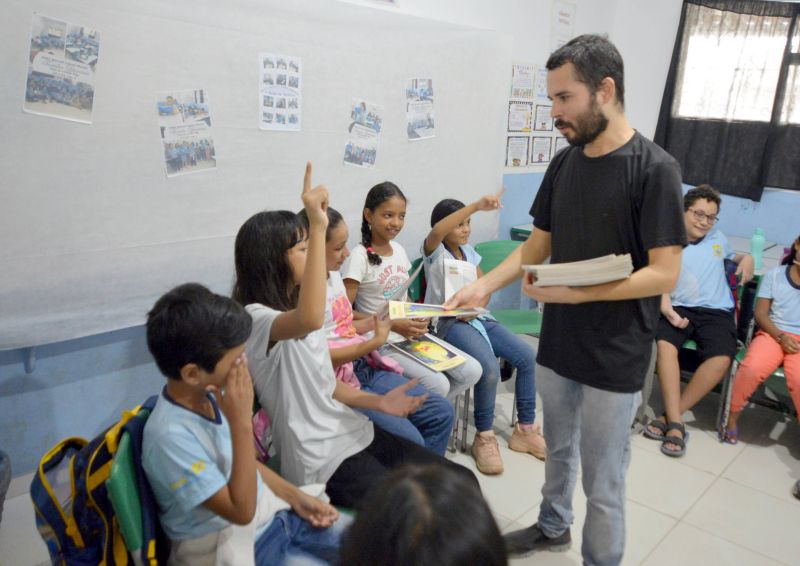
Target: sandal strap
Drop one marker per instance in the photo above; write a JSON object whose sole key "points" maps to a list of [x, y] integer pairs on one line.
{"points": [[676, 426], [676, 440]]}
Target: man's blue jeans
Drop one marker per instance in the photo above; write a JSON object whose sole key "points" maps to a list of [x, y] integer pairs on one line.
{"points": [[290, 540], [591, 426], [511, 348], [428, 426]]}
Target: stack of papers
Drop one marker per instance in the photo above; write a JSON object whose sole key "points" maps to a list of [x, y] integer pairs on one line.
{"points": [[581, 273]]}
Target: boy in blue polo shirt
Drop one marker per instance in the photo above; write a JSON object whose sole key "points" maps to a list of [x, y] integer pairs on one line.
{"points": [[700, 308], [216, 503]]}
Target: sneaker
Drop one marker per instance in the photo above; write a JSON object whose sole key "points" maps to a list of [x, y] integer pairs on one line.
{"points": [[487, 455], [529, 441], [532, 539], [796, 490]]}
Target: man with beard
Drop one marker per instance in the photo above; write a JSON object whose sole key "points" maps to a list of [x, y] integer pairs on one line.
{"points": [[611, 191]]}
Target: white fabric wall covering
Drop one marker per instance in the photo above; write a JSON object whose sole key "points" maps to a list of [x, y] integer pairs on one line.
{"points": [[91, 230]]}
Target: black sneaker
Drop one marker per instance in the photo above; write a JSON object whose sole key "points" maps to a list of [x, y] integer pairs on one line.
{"points": [[796, 490], [532, 539]]}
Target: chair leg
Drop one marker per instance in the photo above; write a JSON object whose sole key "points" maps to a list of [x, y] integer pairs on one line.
{"points": [[725, 400], [464, 421]]}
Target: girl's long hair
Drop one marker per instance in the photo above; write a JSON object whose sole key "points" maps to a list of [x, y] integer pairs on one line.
{"points": [[376, 196], [263, 273], [792, 255]]}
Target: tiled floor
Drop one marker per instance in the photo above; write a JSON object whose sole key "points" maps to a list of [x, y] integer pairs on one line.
{"points": [[718, 505]]}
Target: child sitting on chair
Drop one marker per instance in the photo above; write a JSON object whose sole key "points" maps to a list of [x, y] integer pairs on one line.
{"points": [[700, 308], [777, 341], [216, 503]]}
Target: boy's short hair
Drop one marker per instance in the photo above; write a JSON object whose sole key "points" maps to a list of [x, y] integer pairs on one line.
{"points": [[192, 325], [705, 192]]}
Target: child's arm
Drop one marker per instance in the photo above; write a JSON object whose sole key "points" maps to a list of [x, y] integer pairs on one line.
{"points": [[745, 267], [669, 313], [346, 354], [449, 223], [395, 402], [310, 312], [236, 502], [318, 513], [789, 344]]}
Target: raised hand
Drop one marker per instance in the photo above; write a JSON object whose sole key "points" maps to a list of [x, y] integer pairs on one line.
{"points": [[315, 201], [382, 327], [491, 202], [396, 402]]}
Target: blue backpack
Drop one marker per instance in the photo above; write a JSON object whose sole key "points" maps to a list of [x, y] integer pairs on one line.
{"points": [[74, 513]]}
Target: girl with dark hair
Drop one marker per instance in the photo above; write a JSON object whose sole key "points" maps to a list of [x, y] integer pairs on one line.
{"points": [[357, 362], [281, 280], [376, 268], [447, 248], [424, 516], [777, 341]]}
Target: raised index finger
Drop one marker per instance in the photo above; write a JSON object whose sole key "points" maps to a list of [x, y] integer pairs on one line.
{"points": [[499, 193], [307, 178]]}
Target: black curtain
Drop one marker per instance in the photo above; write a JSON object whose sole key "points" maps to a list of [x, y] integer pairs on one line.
{"points": [[737, 157]]}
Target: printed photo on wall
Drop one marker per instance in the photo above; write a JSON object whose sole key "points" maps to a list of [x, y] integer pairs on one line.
{"points": [[543, 122], [279, 92], [559, 143], [419, 109], [185, 124], [516, 151], [519, 116], [522, 81], [540, 149], [61, 69], [363, 134]]}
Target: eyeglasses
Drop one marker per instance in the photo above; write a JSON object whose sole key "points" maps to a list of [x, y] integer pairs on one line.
{"points": [[703, 217]]}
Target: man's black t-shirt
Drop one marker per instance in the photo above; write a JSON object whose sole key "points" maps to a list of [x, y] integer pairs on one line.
{"points": [[627, 201]]}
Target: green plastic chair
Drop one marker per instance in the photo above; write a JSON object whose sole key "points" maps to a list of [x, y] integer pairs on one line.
{"points": [[517, 321], [415, 289]]}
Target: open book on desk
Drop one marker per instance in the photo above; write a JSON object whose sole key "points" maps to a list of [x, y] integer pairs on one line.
{"points": [[581, 273], [399, 310]]}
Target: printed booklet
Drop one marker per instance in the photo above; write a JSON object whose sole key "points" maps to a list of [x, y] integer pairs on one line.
{"points": [[581, 273], [400, 310], [430, 352]]}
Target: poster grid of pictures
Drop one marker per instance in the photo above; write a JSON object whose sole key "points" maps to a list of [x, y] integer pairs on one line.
{"points": [[531, 140], [61, 69], [363, 134], [420, 121], [185, 123], [280, 103]]}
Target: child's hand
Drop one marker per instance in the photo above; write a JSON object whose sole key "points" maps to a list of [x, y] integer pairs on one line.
{"points": [[491, 202], [410, 328], [382, 327], [789, 344], [397, 403], [745, 269], [315, 201], [237, 402], [676, 320], [316, 512]]}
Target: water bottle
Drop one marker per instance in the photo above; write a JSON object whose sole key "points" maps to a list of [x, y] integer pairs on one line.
{"points": [[757, 247]]}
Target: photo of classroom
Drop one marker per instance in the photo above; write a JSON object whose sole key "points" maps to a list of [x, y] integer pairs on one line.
{"points": [[270, 298]]}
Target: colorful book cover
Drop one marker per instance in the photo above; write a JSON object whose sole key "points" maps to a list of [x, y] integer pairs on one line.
{"points": [[434, 355]]}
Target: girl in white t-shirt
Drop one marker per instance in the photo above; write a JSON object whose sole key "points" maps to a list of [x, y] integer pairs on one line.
{"points": [[281, 278], [777, 341], [376, 269]]}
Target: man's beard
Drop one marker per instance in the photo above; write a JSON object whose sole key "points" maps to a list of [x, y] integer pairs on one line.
{"points": [[587, 126]]}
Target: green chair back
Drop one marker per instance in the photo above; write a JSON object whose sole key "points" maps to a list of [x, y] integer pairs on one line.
{"points": [[494, 252], [124, 494], [415, 290]]}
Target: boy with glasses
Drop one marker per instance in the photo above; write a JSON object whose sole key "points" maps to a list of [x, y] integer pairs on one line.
{"points": [[699, 308]]}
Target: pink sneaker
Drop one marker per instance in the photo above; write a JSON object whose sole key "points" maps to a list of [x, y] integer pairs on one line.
{"points": [[530, 441], [487, 455]]}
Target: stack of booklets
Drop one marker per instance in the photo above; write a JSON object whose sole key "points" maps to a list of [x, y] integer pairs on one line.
{"points": [[581, 273]]}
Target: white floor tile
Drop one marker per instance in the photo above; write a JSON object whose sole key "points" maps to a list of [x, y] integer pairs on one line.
{"points": [[771, 469], [19, 485], [689, 546], [664, 484], [749, 518], [20, 543]]}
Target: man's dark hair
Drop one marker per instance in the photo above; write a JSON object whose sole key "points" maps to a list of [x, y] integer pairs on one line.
{"points": [[594, 58], [192, 325], [706, 192], [424, 515]]}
